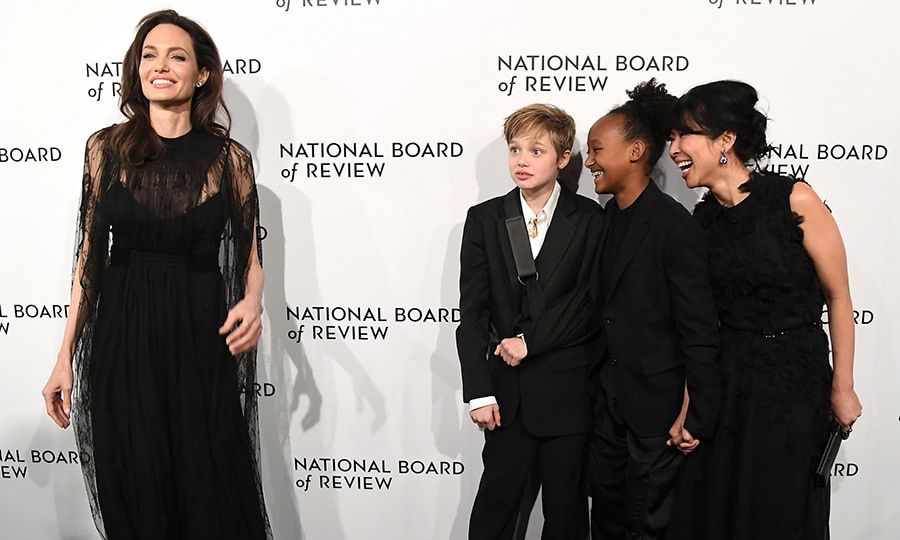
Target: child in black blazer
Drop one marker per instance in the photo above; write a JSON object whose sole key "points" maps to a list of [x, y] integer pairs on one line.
{"points": [[527, 344]]}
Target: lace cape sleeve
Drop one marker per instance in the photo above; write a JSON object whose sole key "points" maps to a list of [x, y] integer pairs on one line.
{"points": [[241, 244], [89, 263]]}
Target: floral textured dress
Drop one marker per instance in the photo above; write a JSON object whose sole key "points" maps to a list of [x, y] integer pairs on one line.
{"points": [[168, 437], [754, 479]]}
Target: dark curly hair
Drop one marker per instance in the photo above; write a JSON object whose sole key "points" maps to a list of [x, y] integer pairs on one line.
{"points": [[647, 115], [714, 108]]}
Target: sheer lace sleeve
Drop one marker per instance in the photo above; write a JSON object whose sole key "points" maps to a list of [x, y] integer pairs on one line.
{"points": [[245, 245], [242, 247], [90, 260], [92, 235]]}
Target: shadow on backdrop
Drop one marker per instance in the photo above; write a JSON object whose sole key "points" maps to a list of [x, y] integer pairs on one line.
{"points": [[290, 209], [275, 411]]}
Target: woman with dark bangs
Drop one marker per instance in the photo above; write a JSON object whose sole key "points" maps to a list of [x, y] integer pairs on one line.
{"points": [[776, 256], [161, 335]]}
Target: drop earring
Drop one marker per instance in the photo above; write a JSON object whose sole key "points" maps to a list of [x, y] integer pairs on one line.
{"points": [[723, 160]]}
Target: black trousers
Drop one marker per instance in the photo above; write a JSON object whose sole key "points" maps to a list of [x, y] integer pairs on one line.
{"points": [[510, 455], [632, 480]]}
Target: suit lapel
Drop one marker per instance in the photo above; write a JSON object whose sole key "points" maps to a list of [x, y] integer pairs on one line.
{"points": [[634, 236], [559, 236]]}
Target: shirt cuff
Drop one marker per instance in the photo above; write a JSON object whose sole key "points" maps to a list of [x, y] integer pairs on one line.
{"points": [[478, 403], [522, 337]]}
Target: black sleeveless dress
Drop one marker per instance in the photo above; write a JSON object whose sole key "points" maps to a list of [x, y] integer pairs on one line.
{"points": [[167, 434], [754, 479]]}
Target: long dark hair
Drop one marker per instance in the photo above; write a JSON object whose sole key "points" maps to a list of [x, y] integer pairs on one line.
{"points": [[134, 141], [721, 106], [647, 117]]}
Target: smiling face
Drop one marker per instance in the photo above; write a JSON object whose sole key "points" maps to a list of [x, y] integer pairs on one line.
{"points": [[697, 155], [610, 156], [534, 163], [168, 69]]}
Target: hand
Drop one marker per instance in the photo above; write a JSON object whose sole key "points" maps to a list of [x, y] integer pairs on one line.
{"points": [[487, 417], [512, 350], [676, 436], [845, 407], [679, 437], [244, 337], [58, 392]]}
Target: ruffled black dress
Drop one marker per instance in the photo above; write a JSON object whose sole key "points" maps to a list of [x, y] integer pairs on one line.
{"points": [[754, 479], [167, 434]]}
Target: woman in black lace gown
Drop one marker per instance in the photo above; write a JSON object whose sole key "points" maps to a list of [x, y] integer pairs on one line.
{"points": [[166, 304], [776, 256]]}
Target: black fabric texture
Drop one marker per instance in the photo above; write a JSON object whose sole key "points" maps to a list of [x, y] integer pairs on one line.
{"points": [[165, 417], [754, 478]]}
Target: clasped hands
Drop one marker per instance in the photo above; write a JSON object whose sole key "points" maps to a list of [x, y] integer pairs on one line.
{"points": [[679, 437]]}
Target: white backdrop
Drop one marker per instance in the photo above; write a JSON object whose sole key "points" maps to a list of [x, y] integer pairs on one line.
{"points": [[308, 73]]}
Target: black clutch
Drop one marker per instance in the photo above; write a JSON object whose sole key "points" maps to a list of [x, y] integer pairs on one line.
{"points": [[829, 453]]}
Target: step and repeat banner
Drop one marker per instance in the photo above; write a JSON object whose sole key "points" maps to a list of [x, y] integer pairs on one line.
{"points": [[374, 125]]}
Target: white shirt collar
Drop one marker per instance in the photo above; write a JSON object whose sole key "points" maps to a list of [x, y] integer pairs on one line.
{"points": [[548, 209]]}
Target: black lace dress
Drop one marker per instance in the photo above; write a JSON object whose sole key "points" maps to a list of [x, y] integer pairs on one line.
{"points": [[168, 438], [754, 479]]}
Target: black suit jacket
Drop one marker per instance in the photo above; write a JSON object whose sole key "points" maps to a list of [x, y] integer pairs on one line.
{"points": [[549, 388], [660, 319]]}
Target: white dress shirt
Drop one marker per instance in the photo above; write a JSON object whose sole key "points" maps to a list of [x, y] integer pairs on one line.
{"points": [[543, 217]]}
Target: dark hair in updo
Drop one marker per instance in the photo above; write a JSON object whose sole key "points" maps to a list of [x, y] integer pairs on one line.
{"points": [[647, 117], [717, 107]]}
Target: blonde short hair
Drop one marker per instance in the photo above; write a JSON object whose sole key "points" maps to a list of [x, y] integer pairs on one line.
{"points": [[538, 118]]}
